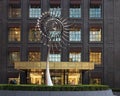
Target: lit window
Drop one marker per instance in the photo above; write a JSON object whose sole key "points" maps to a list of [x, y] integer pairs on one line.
{"points": [[75, 34], [56, 57], [95, 34], [95, 80], [14, 11], [95, 56], [14, 34], [75, 55], [32, 37], [55, 8], [34, 9], [55, 35], [75, 11], [34, 56], [95, 11], [55, 11], [14, 56]]}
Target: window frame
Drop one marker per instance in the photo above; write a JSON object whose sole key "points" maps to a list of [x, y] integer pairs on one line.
{"points": [[36, 10], [96, 51], [96, 3], [96, 27], [77, 53], [78, 32], [15, 37], [10, 51], [13, 8], [57, 56], [75, 11], [55, 6], [34, 59]]}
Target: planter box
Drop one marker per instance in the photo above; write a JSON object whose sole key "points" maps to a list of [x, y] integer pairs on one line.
{"points": [[56, 93]]}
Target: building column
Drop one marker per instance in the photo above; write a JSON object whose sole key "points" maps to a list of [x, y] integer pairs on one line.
{"points": [[85, 55], [85, 77], [3, 41], [45, 5], [23, 77], [65, 79]]}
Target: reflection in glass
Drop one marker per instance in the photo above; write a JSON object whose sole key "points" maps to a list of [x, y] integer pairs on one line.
{"points": [[14, 34], [34, 11], [95, 34], [14, 56], [95, 11], [56, 57], [34, 56], [75, 56], [14, 11], [95, 57], [75, 34]]}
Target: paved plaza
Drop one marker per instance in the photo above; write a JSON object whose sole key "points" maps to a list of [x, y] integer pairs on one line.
{"points": [[116, 93], [57, 93]]}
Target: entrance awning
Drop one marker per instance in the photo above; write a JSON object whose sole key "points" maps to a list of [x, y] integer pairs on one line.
{"points": [[55, 65]]}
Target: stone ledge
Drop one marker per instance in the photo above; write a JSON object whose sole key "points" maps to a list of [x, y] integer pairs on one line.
{"points": [[56, 93]]}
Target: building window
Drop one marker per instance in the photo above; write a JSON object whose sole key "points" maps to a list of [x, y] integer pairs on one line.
{"points": [[55, 7], [75, 9], [55, 57], [34, 9], [95, 81], [95, 34], [14, 34], [14, 57], [34, 56], [95, 55], [95, 10], [75, 55], [32, 37], [14, 11], [75, 34], [54, 36]]}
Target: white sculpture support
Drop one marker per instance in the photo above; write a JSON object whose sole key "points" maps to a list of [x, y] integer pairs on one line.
{"points": [[48, 77]]}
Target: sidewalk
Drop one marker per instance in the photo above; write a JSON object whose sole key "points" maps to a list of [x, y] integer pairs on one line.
{"points": [[116, 93]]}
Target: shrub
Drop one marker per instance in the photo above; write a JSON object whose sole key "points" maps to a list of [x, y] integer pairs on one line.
{"points": [[53, 88], [116, 89]]}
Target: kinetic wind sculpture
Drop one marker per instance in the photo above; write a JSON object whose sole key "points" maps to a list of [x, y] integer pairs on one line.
{"points": [[52, 31]]}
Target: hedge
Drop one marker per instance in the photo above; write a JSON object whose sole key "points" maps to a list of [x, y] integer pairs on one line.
{"points": [[26, 87], [116, 89]]}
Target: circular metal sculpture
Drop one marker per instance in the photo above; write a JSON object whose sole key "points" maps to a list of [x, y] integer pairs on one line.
{"points": [[52, 31]]}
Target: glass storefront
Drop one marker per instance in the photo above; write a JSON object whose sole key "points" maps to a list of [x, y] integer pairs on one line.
{"points": [[74, 77], [59, 77], [34, 76], [62, 73]]}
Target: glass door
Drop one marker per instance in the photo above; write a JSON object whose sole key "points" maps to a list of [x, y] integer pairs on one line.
{"points": [[57, 77], [35, 76], [74, 77]]}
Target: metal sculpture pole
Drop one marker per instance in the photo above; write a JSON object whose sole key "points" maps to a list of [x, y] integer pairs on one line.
{"points": [[51, 27], [48, 77]]}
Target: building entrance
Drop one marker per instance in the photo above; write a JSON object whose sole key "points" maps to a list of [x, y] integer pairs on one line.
{"points": [[74, 77], [61, 72], [34, 76], [59, 77]]}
